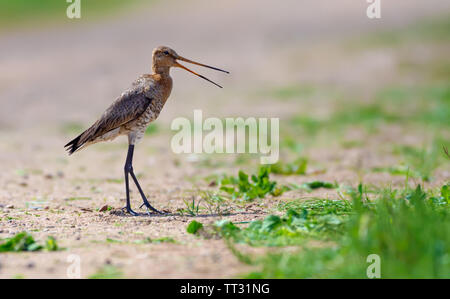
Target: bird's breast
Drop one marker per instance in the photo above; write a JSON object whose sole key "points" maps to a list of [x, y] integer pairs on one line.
{"points": [[158, 91], [158, 87]]}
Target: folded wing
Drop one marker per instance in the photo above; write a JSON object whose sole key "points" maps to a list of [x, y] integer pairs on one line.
{"points": [[128, 107]]}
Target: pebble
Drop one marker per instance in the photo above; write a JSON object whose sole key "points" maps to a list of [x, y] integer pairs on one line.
{"points": [[10, 207]]}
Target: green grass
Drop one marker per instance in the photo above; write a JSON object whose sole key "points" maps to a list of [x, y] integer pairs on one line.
{"points": [[24, 241], [296, 167], [214, 203], [206, 201], [77, 198], [423, 110], [318, 219], [192, 207], [25, 13], [292, 228], [155, 241], [107, 272], [432, 30], [248, 188], [418, 161], [193, 227], [318, 207], [293, 91], [408, 229], [428, 105]]}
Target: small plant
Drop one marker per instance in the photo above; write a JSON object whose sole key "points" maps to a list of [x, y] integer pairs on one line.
{"points": [[25, 242], [193, 227], [293, 228], [51, 245], [258, 187], [398, 170], [419, 161], [446, 151], [215, 203], [163, 240], [298, 167], [192, 208], [312, 185], [319, 184], [155, 241], [408, 229], [113, 241], [317, 207], [107, 272]]}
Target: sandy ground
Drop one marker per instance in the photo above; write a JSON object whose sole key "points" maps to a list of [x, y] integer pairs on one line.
{"points": [[70, 73]]}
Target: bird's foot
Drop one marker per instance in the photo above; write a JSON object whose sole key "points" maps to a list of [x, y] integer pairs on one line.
{"points": [[149, 207], [130, 211]]}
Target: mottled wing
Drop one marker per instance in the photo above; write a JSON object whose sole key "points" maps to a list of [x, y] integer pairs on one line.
{"points": [[128, 107]]}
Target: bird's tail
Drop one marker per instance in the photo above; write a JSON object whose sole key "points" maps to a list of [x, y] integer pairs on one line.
{"points": [[81, 141], [86, 138], [74, 145]]}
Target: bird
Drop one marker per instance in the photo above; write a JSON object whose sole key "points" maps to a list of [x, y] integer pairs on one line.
{"points": [[134, 110]]}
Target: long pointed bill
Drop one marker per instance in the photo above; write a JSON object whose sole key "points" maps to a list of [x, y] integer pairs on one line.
{"points": [[200, 64]]}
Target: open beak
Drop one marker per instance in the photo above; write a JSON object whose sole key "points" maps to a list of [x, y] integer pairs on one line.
{"points": [[200, 64]]}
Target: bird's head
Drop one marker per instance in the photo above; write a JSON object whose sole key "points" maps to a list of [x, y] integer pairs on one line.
{"points": [[165, 57]]}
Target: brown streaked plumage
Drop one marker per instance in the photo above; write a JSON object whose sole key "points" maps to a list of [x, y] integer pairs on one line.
{"points": [[135, 109]]}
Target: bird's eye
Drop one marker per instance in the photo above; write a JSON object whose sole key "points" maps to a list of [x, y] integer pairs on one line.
{"points": [[166, 53]]}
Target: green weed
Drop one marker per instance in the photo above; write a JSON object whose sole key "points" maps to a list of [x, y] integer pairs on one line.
{"points": [[193, 227], [215, 203], [107, 272], [309, 186], [192, 208], [298, 167], [243, 188], [408, 229], [155, 241], [293, 228], [25, 242]]}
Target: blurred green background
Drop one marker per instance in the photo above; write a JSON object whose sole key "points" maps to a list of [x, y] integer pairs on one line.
{"points": [[25, 13]]}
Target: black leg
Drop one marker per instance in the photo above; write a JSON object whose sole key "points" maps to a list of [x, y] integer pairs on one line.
{"points": [[128, 167], [129, 170], [144, 199]]}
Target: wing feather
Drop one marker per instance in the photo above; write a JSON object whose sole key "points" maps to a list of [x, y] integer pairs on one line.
{"points": [[128, 107]]}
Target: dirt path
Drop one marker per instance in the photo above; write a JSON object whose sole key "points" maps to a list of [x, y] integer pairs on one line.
{"points": [[70, 74]]}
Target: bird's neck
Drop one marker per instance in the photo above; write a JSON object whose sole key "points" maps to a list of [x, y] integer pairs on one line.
{"points": [[161, 70]]}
